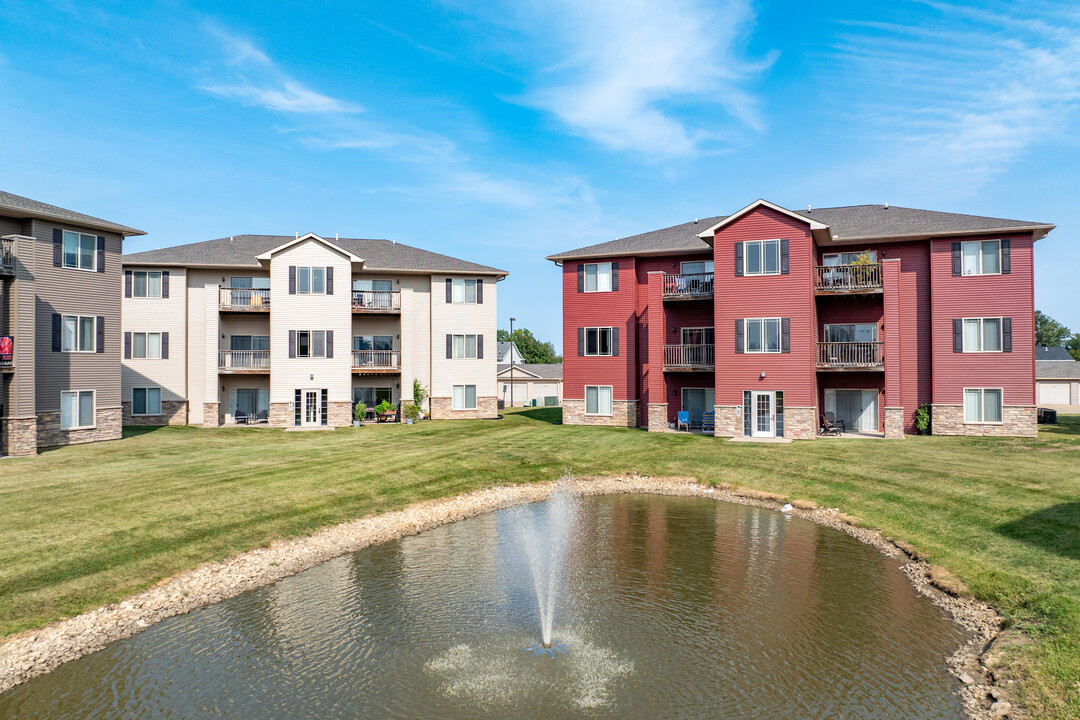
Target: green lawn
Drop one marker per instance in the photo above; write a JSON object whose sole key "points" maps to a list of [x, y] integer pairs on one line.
{"points": [[86, 525]]}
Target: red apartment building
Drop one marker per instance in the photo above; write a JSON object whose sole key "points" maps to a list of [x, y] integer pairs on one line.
{"points": [[773, 318]]}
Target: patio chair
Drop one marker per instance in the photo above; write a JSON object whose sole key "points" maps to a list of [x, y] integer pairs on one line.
{"points": [[240, 418], [828, 427], [262, 416], [708, 422], [683, 420], [831, 417]]}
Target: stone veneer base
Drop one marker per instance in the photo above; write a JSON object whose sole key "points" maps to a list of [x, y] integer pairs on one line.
{"points": [[658, 421], [442, 408], [108, 426], [894, 423], [340, 414], [281, 415], [211, 418], [19, 436], [800, 423], [624, 413], [173, 412], [1016, 421]]}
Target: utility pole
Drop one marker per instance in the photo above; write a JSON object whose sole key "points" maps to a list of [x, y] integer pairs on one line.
{"points": [[512, 361]]}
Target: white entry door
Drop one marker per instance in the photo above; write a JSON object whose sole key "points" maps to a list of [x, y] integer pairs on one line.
{"points": [[312, 408], [763, 405]]}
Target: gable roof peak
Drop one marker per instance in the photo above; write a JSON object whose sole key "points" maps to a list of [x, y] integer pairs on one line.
{"points": [[310, 236], [707, 235]]}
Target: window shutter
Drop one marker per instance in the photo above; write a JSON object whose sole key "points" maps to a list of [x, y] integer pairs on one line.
{"points": [[1006, 256], [581, 277], [958, 335], [56, 332], [957, 260], [580, 341], [449, 291], [739, 336], [164, 283], [127, 346], [329, 281], [614, 341], [57, 247], [292, 343], [785, 264], [738, 259], [479, 291], [449, 346], [614, 276], [292, 284], [479, 346], [785, 335], [100, 333], [1006, 334], [329, 333], [100, 254], [127, 283], [164, 346]]}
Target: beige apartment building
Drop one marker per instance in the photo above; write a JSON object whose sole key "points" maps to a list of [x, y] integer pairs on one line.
{"points": [[296, 331]]}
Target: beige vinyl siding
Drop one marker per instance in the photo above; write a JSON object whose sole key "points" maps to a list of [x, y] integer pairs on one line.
{"points": [[463, 319], [158, 315], [201, 285], [76, 292], [19, 320]]}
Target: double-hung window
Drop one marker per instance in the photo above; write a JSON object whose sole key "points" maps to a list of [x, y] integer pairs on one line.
{"points": [[982, 405], [77, 409], [311, 343], [311, 281], [598, 341], [78, 333], [762, 257], [464, 346], [762, 335], [598, 399], [464, 290], [146, 284], [464, 397], [982, 335], [598, 277], [146, 345], [146, 401], [981, 257], [80, 251]]}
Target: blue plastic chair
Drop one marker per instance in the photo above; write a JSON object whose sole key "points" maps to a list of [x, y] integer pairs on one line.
{"points": [[683, 420], [708, 422]]}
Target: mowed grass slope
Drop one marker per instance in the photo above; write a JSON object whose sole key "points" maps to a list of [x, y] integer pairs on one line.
{"points": [[87, 525]]}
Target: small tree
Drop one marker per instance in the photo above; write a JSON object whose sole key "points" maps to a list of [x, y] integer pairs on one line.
{"points": [[860, 273], [1049, 331], [922, 419], [419, 393]]}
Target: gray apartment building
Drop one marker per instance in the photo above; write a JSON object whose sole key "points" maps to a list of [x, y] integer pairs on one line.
{"points": [[60, 331]]}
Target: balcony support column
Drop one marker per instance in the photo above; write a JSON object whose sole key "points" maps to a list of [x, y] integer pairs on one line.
{"points": [[892, 350], [211, 409], [405, 347], [656, 383]]}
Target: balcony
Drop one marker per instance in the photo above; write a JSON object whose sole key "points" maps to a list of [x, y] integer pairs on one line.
{"points": [[7, 256], [688, 286], [376, 302], [244, 362], [689, 358], [243, 300], [376, 362], [848, 279], [850, 356]]}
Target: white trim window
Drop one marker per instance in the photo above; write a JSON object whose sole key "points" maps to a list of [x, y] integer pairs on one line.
{"points": [[78, 334], [77, 409], [310, 280], [598, 341], [146, 345], [80, 251], [983, 405], [146, 284], [598, 399], [598, 277], [463, 290], [310, 343], [464, 397], [981, 257], [695, 267], [762, 335], [464, 347], [146, 401], [762, 257], [982, 335]]}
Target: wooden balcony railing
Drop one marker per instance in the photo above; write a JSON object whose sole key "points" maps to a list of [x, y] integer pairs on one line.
{"points": [[244, 299], [688, 357], [376, 301], [244, 360], [7, 255], [687, 286], [376, 359], [849, 355], [847, 278]]}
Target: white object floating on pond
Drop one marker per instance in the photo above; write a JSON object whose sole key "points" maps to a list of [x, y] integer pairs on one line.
{"points": [[786, 508]]}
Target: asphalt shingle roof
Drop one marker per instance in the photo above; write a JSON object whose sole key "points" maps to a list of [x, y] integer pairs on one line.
{"points": [[1050, 352], [25, 207], [241, 251], [1057, 370], [547, 371]]}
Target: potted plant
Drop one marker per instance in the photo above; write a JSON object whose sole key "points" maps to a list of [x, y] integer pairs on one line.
{"points": [[412, 412], [358, 414], [922, 419], [420, 394], [385, 410]]}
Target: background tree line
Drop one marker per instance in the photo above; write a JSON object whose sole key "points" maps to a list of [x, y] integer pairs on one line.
{"points": [[1049, 331], [532, 350]]}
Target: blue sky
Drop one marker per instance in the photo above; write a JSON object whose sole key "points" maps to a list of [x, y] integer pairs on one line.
{"points": [[505, 131]]}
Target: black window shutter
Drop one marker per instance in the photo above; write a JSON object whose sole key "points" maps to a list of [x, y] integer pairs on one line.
{"points": [[581, 277], [100, 254], [479, 291], [739, 336], [127, 283], [738, 259], [127, 346], [449, 292], [292, 343], [580, 341], [614, 341], [100, 333], [57, 247], [56, 332], [614, 276], [1006, 256], [479, 346], [329, 333], [785, 335], [957, 259], [449, 346], [164, 283], [785, 263], [329, 281], [957, 335], [164, 346], [1006, 334], [292, 284]]}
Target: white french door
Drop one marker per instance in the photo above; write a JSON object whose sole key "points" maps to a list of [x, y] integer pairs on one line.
{"points": [[312, 408], [763, 406]]}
